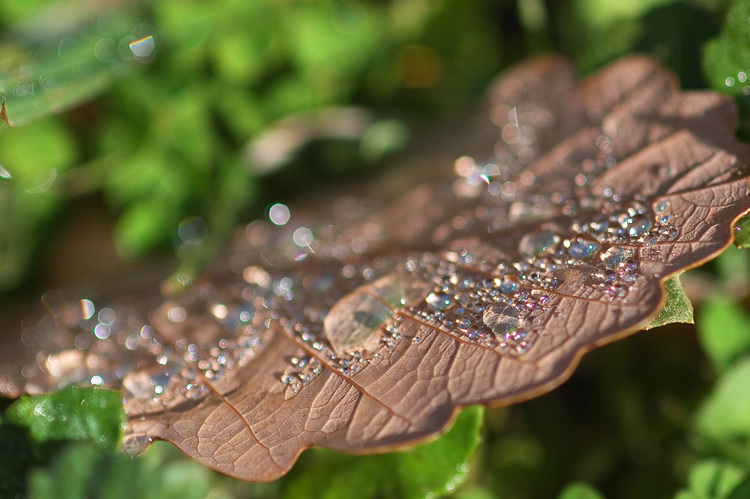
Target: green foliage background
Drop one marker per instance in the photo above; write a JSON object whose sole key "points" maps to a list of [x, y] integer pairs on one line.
{"points": [[145, 143]]}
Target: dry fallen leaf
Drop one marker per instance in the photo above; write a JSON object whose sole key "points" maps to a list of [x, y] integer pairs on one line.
{"points": [[483, 286]]}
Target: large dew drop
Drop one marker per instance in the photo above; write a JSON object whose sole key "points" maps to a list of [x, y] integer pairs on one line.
{"points": [[615, 257], [501, 319], [582, 247], [438, 301], [354, 322], [538, 243], [639, 226]]}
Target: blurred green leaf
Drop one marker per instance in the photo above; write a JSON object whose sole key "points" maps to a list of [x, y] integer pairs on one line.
{"points": [[726, 60], [724, 331], [85, 470], [144, 225], [604, 14], [724, 416], [34, 157], [432, 469], [32, 152], [18, 454], [74, 414], [580, 490], [742, 491], [742, 232], [73, 68], [712, 479]]}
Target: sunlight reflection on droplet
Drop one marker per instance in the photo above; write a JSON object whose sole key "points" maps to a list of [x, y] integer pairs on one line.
{"points": [[219, 311], [143, 48], [513, 116], [105, 50], [177, 314], [192, 231], [44, 186], [257, 275], [302, 237], [279, 214], [5, 173], [102, 331], [87, 309]]}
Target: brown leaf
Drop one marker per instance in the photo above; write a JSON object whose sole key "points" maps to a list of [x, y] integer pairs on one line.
{"points": [[483, 286]]}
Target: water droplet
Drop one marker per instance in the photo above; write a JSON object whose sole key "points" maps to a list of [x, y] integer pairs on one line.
{"points": [[501, 319], [279, 214], [107, 316], [143, 48], [143, 385], [299, 362], [509, 285], [355, 321], [438, 301], [134, 445], [192, 231], [614, 257], [582, 247], [538, 243], [4, 173], [177, 314], [302, 237], [639, 226], [87, 309], [102, 331], [662, 206]]}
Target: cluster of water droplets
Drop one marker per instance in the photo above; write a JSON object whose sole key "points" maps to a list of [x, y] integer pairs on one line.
{"points": [[502, 304], [742, 78], [341, 315]]}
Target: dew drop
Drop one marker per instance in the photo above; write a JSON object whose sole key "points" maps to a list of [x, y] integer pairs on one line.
{"points": [[279, 214], [192, 231], [102, 331], [134, 445], [614, 257], [303, 237], [501, 319], [438, 301], [143, 48], [509, 285], [354, 322], [582, 247], [639, 226], [87, 309], [538, 243]]}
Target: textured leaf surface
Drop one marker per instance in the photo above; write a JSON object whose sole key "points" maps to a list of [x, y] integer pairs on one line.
{"points": [[676, 309], [363, 327]]}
